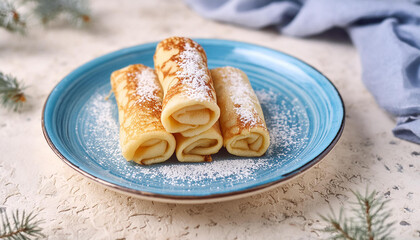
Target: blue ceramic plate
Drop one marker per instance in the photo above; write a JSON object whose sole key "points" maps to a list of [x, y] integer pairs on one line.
{"points": [[303, 111]]}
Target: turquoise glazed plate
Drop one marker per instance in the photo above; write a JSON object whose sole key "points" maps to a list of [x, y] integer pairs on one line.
{"points": [[303, 110]]}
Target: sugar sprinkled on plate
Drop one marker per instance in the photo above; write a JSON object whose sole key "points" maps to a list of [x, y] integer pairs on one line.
{"points": [[286, 122]]}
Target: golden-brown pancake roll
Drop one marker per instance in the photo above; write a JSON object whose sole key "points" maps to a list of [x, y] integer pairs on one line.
{"points": [[241, 119], [199, 147], [189, 103], [143, 139]]}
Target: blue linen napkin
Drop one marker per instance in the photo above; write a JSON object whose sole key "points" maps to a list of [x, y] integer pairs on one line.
{"points": [[385, 32]]}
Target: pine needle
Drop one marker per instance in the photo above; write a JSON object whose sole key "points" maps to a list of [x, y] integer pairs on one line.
{"points": [[371, 221], [20, 226], [11, 92]]}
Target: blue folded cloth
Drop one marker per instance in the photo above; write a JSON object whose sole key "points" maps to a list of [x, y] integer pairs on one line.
{"points": [[385, 32]]}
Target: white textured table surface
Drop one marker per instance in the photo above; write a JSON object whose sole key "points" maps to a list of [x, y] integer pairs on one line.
{"points": [[33, 177]]}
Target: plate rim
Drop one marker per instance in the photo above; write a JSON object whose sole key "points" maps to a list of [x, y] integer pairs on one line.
{"points": [[194, 198]]}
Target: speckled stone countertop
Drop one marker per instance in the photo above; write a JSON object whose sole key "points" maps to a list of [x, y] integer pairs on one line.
{"points": [[32, 177]]}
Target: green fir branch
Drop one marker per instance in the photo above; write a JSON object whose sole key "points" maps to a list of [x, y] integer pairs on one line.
{"points": [[76, 10], [10, 18], [11, 92], [370, 221], [20, 226]]}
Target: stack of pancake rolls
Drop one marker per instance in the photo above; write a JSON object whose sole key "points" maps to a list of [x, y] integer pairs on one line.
{"points": [[181, 106]]}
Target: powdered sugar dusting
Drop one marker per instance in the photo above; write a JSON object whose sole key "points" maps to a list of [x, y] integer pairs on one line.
{"points": [[147, 86], [147, 89], [194, 74], [244, 104], [198, 174], [99, 133], [287, 123], [103, 127]]}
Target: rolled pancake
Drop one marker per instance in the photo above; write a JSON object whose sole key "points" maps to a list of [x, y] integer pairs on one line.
{"points": [[199, 147], [143, 138], [241, 119], [189, 103]]}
